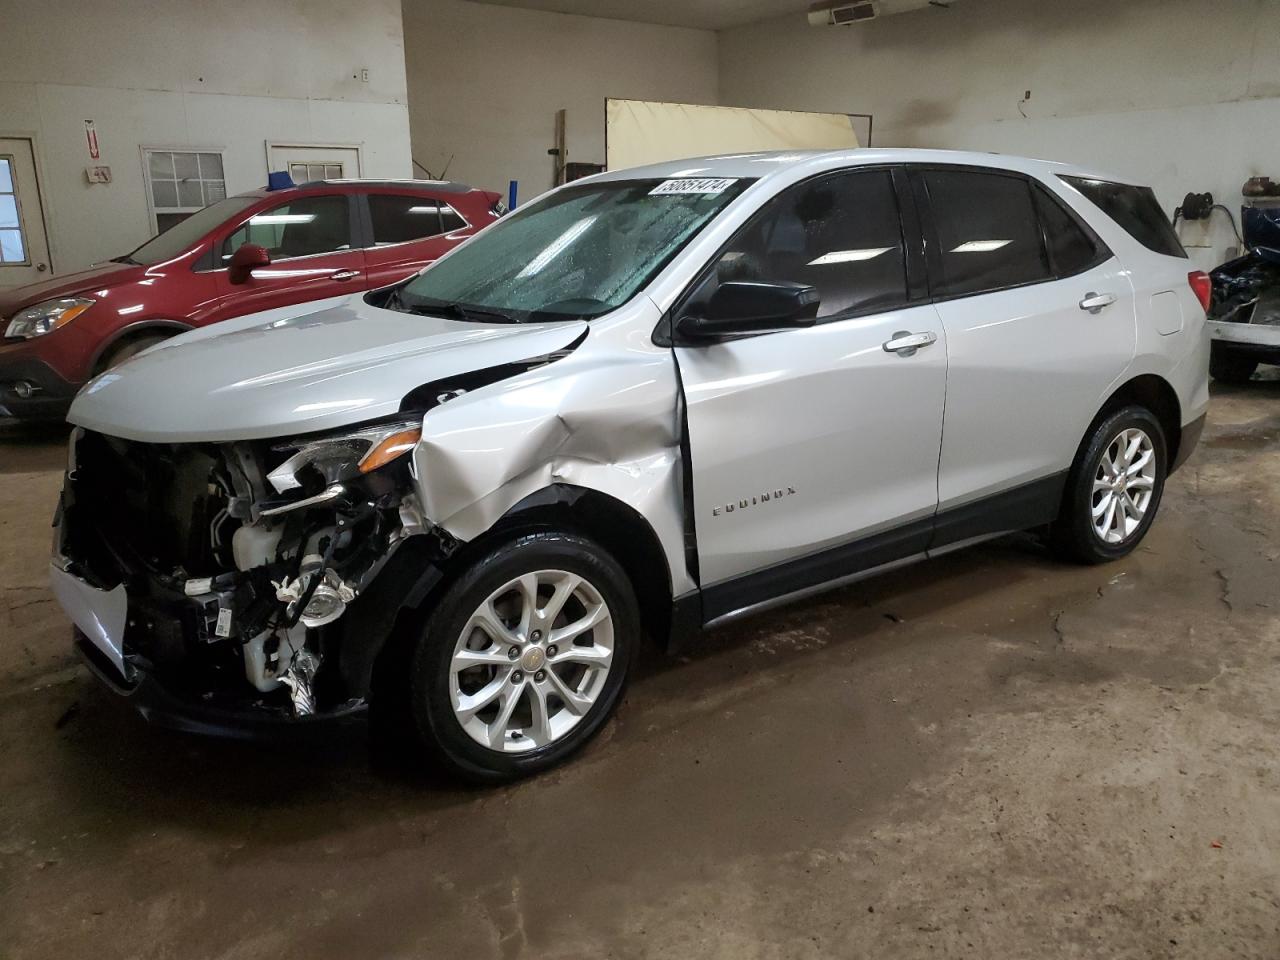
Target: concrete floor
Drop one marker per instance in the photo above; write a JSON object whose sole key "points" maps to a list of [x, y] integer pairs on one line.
{"points": [[991, 755]]}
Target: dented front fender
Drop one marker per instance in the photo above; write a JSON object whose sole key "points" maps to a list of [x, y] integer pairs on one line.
{"points": [[605, 418]]}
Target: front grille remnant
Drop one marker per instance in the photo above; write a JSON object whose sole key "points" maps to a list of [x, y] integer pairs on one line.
{"points": [[161, 506]]}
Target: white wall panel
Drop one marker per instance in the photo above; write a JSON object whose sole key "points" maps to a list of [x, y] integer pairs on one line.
{"points": [[1180, 93], [485, 83], [229, 74]]}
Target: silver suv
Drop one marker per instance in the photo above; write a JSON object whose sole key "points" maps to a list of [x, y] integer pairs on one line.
{"points": [[648, 403]]}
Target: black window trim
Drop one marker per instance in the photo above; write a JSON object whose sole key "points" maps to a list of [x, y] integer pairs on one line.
{"points": [[933, 245], [909, 226], [354, 235]]}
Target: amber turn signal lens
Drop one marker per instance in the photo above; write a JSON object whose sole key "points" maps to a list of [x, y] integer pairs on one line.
{"points": [[70, 314], [389, 448]]}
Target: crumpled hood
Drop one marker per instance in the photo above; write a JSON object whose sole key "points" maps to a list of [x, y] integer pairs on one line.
{"points": [[275, 374], [68, 285]]}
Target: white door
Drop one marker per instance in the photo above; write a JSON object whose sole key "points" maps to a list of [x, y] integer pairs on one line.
{"points": [[305, 163], [24, 248], [1030, 360], [808, 442]]}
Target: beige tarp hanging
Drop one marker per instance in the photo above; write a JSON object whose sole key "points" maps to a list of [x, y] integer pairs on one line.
{"points": [[645, 131]]}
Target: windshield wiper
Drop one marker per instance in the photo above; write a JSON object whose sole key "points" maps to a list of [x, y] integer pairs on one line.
{"points": [[126, 259], [459, 312]]}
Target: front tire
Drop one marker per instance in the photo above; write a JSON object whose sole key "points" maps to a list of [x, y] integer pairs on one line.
{"points": [[524, 658], [121, 352], [1114, 488]]}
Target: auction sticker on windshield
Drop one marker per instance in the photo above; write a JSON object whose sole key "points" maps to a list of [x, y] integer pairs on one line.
{"points": [[711, 185]]}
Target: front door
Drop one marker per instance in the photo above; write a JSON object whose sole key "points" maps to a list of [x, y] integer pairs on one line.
{"points": [[814, 452], [314, 254], [24, 247]]}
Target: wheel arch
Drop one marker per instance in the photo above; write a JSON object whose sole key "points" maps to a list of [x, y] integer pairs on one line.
{"points": [[420, 571], [139, 328], [617, 526], [1156, 394]]}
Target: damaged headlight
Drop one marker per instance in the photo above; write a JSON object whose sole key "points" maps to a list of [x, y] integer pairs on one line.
{"points": [[344, 456]]}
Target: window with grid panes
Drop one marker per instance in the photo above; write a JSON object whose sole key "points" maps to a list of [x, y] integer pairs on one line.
{"points": [[181, 182]]}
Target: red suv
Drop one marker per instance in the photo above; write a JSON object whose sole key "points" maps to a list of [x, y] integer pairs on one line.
{"points": [[240, 255]]}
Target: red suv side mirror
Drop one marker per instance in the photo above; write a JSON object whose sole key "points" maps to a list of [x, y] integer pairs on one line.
{"points": [[244, 260]]}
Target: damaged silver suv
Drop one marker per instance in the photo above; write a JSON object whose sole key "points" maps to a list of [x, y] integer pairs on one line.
{"points": [[647, 403]]}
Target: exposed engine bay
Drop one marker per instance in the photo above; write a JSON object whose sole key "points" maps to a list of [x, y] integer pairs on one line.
{"points": [[240, 560]]}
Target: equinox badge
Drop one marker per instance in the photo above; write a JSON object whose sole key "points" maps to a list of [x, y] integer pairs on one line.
{"points": [[752, 501]]}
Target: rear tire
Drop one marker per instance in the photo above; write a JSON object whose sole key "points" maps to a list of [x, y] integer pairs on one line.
{"points": [[1230, 366], [545, 691], [1114, 488]]}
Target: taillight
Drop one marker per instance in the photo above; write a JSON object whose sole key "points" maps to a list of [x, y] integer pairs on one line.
{"points": [[1201, 286]]}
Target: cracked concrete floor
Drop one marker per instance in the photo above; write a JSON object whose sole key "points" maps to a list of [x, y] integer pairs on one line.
{"points": [[991, 755]]}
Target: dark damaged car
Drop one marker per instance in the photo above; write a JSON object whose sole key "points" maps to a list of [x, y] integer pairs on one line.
{"points": [[1244, 318]]}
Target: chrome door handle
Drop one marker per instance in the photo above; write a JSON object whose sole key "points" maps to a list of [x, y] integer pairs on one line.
{"points": [[1094, 302], [905, 344], [344, 275]]}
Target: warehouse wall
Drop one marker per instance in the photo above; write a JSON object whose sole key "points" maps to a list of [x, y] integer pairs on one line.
{"points": [[485, 83], [221, 73], [1184, 94]]}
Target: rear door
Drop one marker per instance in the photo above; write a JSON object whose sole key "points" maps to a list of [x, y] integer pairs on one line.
{"points": [[314, 254], [1040, 324], [408, 232], [807, 443]]}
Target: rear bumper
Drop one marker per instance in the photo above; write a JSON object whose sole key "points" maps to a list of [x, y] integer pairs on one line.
{"points": [[47, 395], [1187, 444]]}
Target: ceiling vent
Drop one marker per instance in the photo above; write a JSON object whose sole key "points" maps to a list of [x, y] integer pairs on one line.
{"points": [[830, 15], [835, 13]]}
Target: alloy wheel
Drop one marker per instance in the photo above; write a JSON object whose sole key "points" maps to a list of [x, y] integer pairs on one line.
{"points": [[1123, 485], [531, 661]]}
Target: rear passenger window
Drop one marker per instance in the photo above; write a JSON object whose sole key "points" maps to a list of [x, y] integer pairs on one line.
{"points": [[988, 231], [1073, 248], [1136, 210], [400, 219], [840, 234]]}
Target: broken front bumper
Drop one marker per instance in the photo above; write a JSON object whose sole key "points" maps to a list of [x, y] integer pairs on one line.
{"points": [[159, 705], [100, 618]]}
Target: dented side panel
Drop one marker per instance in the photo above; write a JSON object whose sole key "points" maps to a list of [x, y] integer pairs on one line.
{"points": [[604, 418]]}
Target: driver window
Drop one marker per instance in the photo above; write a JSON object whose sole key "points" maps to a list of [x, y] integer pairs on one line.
{"points": [[300, 228], [840, 234]]}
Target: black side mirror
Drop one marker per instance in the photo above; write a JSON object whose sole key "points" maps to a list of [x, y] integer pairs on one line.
{"points": [[749, 306]]}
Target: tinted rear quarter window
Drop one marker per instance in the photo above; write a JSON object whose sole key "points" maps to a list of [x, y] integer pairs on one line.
{"points": [[1136, 210], [451, 219], [1073, 248], [988, 231]]}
